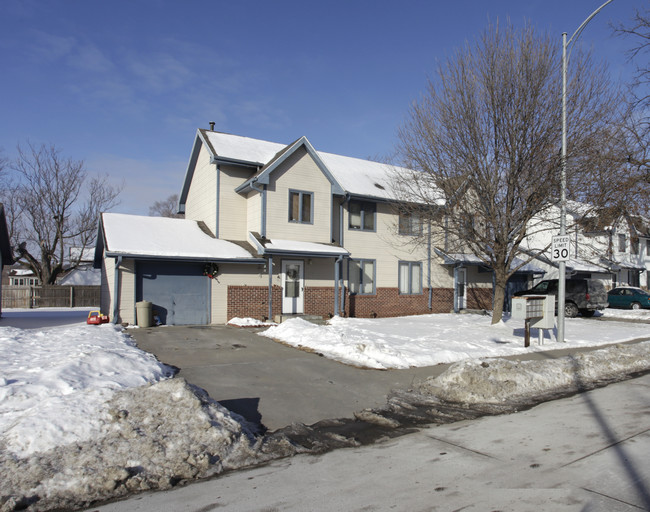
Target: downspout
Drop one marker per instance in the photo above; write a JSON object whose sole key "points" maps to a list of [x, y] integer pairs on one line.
{"points": [[216, 230], [262, 191], [116, 289], [270, 299], [429, 268]]}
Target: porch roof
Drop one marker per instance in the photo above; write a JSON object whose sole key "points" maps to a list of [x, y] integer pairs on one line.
{"points": [[473, 260], [277, 246]]}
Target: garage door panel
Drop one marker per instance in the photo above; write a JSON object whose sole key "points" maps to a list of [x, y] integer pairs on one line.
{"points": [[178, 292]]}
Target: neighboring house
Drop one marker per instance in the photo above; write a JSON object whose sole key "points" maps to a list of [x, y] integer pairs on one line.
{"points": [[23, 277], [84, 274], [282, 230], [6, 257], [613, 249]]}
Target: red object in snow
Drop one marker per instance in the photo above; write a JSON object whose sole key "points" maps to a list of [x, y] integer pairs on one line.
{"points": [[96, 318]]}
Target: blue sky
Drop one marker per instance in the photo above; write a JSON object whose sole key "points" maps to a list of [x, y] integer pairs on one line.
{"points": [[124, 85]]}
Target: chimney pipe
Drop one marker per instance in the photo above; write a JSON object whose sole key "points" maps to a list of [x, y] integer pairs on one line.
{"points": [[211, 126]]}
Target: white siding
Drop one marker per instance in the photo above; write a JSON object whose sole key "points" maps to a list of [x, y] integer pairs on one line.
{"points": [[388, 248], [201, 202], [299, 172], [232, 206]]}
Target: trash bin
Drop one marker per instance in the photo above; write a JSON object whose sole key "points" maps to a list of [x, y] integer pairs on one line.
{"points": [[143, 310]]}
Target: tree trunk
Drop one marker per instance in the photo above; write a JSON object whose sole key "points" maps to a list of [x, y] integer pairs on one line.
{"points": [[499, 295]]}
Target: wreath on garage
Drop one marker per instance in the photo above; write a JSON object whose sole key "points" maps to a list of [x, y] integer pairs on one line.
{"points": [[211, 270]]}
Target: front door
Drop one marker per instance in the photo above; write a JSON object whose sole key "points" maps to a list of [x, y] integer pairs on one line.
{"points": [[293, 287], [461, 286]]}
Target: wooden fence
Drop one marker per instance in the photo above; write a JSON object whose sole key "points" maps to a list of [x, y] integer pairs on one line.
{"points": [[50, 296]]}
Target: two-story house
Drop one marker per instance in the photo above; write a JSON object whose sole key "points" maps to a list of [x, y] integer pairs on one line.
{"points": [[612, 248], [271, 230]]}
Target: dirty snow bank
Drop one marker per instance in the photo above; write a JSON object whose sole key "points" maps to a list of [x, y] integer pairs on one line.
{"points": [[494, 381], [154, 437], [85, 415]]}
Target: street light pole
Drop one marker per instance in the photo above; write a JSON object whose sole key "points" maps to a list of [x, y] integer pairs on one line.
{"points": [[561, 289]]}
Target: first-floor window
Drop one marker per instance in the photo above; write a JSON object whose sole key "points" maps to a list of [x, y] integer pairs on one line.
{"points": [[361, 277], [410, 277]]}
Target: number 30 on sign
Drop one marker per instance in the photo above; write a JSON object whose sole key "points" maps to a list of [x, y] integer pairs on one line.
{"points": [[560, 248]]}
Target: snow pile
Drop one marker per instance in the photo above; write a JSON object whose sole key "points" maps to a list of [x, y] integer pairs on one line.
{"points": [[86, 415], [248, 322], [427, 340], [55, 381], [152, 437], [494, 381]]}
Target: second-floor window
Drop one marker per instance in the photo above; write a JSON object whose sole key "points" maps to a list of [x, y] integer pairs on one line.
{"points": [[301, 206], [362, 215], [409, 224], [634, 245], [647, 247], [621, 243]]}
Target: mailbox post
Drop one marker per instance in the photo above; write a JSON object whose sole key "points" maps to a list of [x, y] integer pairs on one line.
{"points": [[536, 311]]}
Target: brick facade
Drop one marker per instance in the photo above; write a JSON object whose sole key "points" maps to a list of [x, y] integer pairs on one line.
{"points": [[252, 301], [479, 298]]}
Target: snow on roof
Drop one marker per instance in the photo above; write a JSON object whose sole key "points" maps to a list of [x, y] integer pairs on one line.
{"points": [[83, 277], [237, 147], [355, 175], [276, 245], [137, 235], [21, 272]]}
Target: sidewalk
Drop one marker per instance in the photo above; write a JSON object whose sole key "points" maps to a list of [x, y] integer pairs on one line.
{"points": [[586, 452]]}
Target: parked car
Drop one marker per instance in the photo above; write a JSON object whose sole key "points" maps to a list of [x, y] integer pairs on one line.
{"points": [[584, 296], [628, 297]]}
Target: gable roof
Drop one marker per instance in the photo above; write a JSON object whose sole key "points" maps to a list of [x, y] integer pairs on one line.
{"points": [[5, 243], [352, 176]]}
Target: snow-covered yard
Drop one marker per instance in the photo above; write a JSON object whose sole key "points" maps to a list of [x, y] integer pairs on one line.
{"points": [[86, 415], [428, 340]]}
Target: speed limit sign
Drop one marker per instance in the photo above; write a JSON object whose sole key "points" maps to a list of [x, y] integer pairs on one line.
{"points": [[560, 248]]}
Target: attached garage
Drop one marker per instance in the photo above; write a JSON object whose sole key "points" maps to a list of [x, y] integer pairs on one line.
{"points": [[163, 261], [179, 292]]}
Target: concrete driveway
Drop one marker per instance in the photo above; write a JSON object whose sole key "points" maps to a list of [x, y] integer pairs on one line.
{"points": [[269, 383]]}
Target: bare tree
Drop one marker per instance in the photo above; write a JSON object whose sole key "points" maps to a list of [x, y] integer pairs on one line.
{"points": [[639, 31], [166, 208], [54, 207], [485, 139]]}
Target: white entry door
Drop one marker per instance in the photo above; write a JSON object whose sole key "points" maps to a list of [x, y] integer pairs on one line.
{"points": [[293, 287]]}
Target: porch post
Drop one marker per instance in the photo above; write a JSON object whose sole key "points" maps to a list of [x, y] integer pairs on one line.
{"points": [[337, 262], [270, 300], [456, 290], [116, 289]]}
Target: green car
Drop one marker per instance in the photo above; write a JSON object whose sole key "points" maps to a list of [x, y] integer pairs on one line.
{"points": [[627, 297]]}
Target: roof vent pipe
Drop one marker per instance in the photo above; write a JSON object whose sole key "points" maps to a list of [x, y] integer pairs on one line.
{"points": [[211, 126]]}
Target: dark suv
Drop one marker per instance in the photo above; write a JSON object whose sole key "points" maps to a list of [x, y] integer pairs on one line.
{"points": [[583, 296]]}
